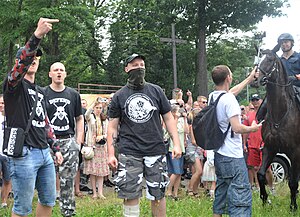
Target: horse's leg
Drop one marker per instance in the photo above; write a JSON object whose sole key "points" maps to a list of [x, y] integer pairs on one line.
{"points": [[293, 184], [268, 155]]}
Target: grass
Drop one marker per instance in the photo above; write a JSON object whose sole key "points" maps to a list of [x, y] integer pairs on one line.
{"points": [[185, 207]]}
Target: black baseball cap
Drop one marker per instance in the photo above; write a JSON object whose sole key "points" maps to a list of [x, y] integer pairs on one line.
{"points": [[132, 57], [255, 97], [19, 52]]}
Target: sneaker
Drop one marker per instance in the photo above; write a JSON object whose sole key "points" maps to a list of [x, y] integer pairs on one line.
{"points": [[255, 189], [212, 194], [11, 195], [273, 191], [4, 205]]}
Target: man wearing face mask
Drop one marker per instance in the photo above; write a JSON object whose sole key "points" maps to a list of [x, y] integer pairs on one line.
{"points": [[134, 119]]}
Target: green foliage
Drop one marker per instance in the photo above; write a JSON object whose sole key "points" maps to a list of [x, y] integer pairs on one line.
{"points": [[135, 26], [74, 40], [138, 25]]}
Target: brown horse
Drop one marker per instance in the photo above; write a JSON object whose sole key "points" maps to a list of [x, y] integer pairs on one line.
{"points": [[281, 129]]}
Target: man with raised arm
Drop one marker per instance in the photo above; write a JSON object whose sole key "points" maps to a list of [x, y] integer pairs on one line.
{"points": [[35, 169]]}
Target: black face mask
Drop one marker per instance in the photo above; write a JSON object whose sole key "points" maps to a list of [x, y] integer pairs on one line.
{"points": [[136, 78]]}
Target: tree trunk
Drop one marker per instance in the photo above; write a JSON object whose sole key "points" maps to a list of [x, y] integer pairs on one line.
{"points": [[201, 75]]}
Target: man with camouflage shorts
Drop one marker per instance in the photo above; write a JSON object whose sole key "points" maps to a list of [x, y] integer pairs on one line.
{"points": [[135, 119], [64, 110]]}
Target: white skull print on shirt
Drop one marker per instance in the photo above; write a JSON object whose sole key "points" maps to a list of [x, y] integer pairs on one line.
{"points": [[39, 120], [139, 108], [62, 109], [60, 119]]}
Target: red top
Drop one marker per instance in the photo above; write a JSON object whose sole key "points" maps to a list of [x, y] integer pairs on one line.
{"points": [[254, 138]]}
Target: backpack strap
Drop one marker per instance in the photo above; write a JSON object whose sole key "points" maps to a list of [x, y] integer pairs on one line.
{"points": [[215, 104], [212, 102]]}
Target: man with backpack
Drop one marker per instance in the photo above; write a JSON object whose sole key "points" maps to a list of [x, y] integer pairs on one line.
{"points": [[233, 192]]}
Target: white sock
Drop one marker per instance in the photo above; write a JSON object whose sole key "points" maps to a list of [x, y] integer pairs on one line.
{"points": [[131, 211]]}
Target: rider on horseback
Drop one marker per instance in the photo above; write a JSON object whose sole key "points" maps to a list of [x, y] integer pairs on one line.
{"points": [[290, 58], [291, 62]]}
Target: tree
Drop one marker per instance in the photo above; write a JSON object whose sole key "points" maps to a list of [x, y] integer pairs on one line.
{"points": [[74, 40], [218, 17], [197, 21]]}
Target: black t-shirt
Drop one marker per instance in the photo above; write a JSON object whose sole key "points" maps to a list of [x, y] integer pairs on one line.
{"points": [[62, 108], [19, 102], [140, 132]]}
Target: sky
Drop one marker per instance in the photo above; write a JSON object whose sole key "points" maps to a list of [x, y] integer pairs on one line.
{"points": [[275, 26]]}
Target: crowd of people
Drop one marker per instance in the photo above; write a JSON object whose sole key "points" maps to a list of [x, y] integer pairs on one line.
{"points": [[136, 133]]}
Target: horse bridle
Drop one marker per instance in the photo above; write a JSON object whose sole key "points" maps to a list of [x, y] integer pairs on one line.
{"points": [[267, 75], [265, 80]]}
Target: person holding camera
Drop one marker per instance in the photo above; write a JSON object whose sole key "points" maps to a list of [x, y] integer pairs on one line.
{"points": [[97, 167], [175, 165]]}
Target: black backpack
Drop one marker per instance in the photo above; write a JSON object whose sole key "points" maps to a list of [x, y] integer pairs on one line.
{"points": [[206, 128]]}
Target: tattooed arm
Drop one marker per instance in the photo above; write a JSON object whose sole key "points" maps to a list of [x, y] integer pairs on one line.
{"points": [[112, 135], [172, 129]]}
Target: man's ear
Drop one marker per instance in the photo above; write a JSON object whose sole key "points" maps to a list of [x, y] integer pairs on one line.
{"points": [[228, 77]]}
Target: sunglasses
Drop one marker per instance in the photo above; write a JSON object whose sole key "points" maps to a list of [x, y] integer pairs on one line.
{"points": [[254, 100], [242, 109], [204, 102]]}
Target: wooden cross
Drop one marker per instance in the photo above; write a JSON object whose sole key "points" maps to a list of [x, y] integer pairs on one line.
{"points": [[174, 40]]}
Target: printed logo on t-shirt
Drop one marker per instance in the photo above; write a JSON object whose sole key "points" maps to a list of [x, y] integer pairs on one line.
{"points": [[39, 111], [139, 108], [60, 120]]}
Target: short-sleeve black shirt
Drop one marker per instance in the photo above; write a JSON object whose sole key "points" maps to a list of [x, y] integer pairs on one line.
{"points": [[62, 109], [19, 102], [140, 132]]}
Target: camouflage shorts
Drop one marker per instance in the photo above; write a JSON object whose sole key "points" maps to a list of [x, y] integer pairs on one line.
{"points": [[131, 171]]}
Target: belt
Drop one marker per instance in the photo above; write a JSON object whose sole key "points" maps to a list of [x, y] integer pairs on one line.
{"points": [[68, 136]]}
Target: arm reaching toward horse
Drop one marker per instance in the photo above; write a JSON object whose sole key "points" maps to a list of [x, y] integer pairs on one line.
{"points": [[239, 87], [237, 127]]}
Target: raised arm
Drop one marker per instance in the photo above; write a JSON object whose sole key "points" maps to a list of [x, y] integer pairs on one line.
{"points": [[25, 55], [239, 87]]}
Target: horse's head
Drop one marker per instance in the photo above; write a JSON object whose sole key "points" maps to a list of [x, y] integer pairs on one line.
{"points": [[270, 67]]}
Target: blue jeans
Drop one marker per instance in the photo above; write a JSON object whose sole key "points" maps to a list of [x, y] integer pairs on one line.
{"points": [[4, 168], [233, 192], [34, 170]]}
